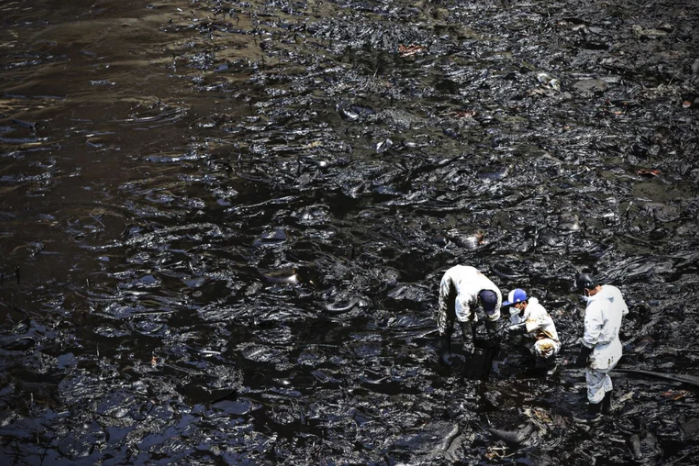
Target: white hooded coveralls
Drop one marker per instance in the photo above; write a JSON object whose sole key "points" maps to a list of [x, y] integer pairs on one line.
{"points": [[458, 297], [613, 295], [540, 326], [602, 323]]}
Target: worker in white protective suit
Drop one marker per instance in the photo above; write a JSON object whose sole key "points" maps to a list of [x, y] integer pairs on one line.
{"points": [[531, 320], [462, 291], [601, 348], [613, 295]]}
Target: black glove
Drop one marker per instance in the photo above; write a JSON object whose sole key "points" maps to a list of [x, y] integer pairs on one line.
{"points": [[584, 355], [491, 326], [467, 332], [518, 329]]}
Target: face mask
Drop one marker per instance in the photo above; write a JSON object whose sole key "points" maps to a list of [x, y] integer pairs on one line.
{"points": [[585, 298], [514, 311]]}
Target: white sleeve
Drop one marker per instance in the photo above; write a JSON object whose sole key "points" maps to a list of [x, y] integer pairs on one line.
{"points": [[462, 308], [594, 320]]}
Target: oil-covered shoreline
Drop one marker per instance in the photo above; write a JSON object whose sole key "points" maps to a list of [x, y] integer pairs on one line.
{"points": [[223, 226]]}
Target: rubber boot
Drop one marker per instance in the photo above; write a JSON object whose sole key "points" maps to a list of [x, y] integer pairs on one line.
{"points": [[551, 366], [607, 403], [592, 416], [467, 333], [445, 349]]}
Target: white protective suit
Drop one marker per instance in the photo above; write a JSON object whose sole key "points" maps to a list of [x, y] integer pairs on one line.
{"points": [[540, 326], [602, 323], [613, 295], [462, 283]]}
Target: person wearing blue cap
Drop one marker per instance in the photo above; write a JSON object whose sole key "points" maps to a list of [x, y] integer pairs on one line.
{"points": [[531, 320], [462, 290]]}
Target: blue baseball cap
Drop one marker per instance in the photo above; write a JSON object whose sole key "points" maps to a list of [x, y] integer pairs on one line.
{"points": [[515, 296]]}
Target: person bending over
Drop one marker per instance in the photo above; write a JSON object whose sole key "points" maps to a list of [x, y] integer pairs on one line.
{"points": [[463, 290]]}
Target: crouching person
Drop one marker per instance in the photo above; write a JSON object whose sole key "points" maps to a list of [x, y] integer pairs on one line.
{"points": [[531, 320]]}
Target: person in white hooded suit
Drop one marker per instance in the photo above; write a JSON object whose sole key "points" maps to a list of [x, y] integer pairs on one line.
{"points": [[531, 320], [601, 348]]}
